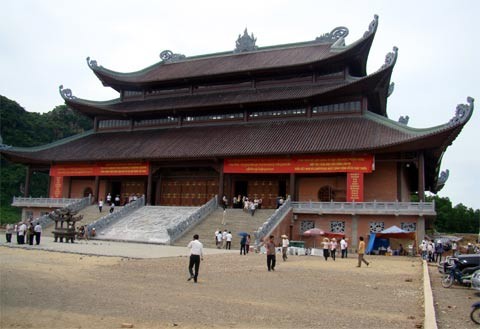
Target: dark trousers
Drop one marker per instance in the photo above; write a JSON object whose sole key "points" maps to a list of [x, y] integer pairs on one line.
{"points": [[247, 247], [271, 260], [37, 237], [9, 237], [344, 253], [333, 253], [228, 245], [30, 239], [194, 261], [21, 239], [242, 248]]}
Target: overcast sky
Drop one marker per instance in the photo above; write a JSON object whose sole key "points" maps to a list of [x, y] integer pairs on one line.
{"points": [[45, 43]]}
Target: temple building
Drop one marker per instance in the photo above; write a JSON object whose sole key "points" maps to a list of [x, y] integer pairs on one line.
{"points": [[301, 120]]}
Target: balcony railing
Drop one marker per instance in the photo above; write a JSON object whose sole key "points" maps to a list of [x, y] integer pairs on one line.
{"points": [[366, 208], [43, 202]]}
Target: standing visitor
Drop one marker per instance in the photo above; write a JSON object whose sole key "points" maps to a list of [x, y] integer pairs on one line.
{"points": [[229, 241], [333, 248], [285, 244], [9, 232], [112, 207], [326, 248], [247, 244], [100, 205], [219, 239], [343, 247], [196, 254], [31, 234], [109, 199], [271, 259], [21, 233], [454, 249], [439, 251], [38, 233], [361, 252], [117, 200], [243, 244]]}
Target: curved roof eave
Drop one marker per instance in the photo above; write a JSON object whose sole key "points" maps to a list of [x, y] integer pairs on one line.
{"points": [[357, 51]]}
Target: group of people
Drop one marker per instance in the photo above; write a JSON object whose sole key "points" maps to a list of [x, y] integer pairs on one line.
{"points": [[431, 251], [224, 240], [25, 232]]}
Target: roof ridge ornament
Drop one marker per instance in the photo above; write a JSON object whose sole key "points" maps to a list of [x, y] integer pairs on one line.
{"points": [[404, 120], [390, 58], [245, 42], [92, 63], [391, 88], [340, 32], [442, 179], [462, 111], [66, 93], [168, 56], [372, 28]]}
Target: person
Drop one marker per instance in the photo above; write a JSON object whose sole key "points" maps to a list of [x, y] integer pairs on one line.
{"points": [[109, 199], [229, 241], [401, 251], [326, 248], [31, 233], [112, 207], [27, 233], [224, 238], [38, 233], [343, 247], [196, 254], [285, 244], [9, 232], [271, 259], [100, 205], [21, 233], [117, 200], [219, 239], [224, 202], [454, 249], [361, 252], [423, 248], [430, 249], [252, 208], [247, 244], [243, 244], [224, 217], [346, 247], [333, 248], [94, 233]]}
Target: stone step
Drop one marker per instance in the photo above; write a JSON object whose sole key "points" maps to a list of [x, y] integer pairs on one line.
{"points": [[236, 220]]}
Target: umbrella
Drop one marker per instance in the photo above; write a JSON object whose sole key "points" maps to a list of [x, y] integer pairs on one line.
{"points": [[314, 232], [242, 233]]}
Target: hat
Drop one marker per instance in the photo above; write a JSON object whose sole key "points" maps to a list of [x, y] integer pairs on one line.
{"points": [[326, 239], [284, 236], [333, 239]]}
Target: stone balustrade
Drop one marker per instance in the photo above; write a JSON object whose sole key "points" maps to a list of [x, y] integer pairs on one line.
{"points": [[366, 208], [43, 202], [272, 222]]}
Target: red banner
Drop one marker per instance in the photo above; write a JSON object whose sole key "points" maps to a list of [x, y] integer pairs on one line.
{"points": [[101, 169], [56, 190], [308, 164], [354, 187]]}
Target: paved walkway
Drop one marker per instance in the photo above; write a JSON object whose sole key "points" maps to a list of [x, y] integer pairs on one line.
{"points": [[111, 248]]}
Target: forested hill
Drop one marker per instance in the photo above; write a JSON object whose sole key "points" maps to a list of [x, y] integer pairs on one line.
{"points": [[21, 128]]}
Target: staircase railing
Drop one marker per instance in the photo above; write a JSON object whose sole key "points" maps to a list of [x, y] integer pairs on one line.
{"points": [[272, 222], [76, 205], [113, 217], [182, 227]]}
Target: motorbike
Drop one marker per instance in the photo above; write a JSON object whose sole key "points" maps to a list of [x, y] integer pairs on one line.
{"points": [[454, 274], [475, 314]]}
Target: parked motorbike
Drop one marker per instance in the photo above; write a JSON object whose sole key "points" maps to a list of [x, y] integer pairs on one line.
{"points": [[454, 274], [475, 314]]}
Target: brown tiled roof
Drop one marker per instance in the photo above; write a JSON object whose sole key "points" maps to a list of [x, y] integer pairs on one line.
{"points": [[294, 55], [358, 133]]}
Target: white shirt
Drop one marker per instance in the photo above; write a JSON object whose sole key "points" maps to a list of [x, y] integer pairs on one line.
{"points": [[22, 229], [219, 237], [224, 235], [229, 237], [100, 203], [38, 228], [196, 247], [285, 243], [343, 244], [333, 245]]}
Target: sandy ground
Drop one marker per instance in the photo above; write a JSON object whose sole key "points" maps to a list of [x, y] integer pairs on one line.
{"points": [[45, 289]]}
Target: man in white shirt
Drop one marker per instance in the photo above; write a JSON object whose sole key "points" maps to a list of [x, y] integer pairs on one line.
{"points": [[285, 244], [219, 240], [343, 247], [196, 254], [21, 233], [229, 240], [38, 232]]}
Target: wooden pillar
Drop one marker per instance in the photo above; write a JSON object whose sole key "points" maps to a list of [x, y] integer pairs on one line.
{"points": [[421, 177], [28, 176], [158, 191], [97, 189], [292, 187], [149, 186], [399, 181]]}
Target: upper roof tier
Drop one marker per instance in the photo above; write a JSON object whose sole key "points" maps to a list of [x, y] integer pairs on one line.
{"points": [[325, 52]]}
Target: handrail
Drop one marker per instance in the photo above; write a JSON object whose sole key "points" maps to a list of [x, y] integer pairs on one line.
{"points": [[178, 229], [44, 201], [272, 221], [113, 217]]}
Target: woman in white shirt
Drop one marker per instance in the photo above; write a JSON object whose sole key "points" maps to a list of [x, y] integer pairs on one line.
{"points": [[326, 247], [333, 248]]}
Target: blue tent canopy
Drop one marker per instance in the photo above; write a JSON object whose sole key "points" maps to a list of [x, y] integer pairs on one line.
{"points": [[380, 239]]}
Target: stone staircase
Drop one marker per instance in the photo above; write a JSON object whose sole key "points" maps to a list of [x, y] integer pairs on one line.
{"points": [[90, 214], [236, 221]]}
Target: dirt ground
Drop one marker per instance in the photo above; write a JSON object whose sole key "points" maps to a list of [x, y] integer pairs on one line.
{"points": [[452, 305], [41, 289]]}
